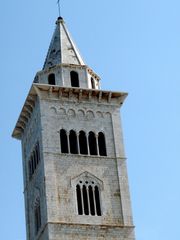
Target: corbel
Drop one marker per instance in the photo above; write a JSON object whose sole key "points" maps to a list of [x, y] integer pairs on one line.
{"points": [[90, 95], [80, 94], [109, 97], [100, 96]]}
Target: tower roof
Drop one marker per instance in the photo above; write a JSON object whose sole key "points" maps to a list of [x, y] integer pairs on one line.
{"points": [[62, 49]]}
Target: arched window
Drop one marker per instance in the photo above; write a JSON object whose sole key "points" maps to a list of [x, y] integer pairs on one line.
{"points": [[92, 144], [91, 200], [51, 79], [34, 160], [73, 142], [83, 143], [85, 200], [93, 83], [88, 198], [74, 79], [97, 198], [64, 141], [79, 200], [37, 215], [102, 144]]}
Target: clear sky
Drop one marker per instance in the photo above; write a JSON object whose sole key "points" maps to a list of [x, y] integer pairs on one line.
{"points": [[134, 45]]}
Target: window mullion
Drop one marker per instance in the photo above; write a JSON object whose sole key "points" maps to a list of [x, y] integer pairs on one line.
{"points": [[95, 208], [87, 139], [68, 141], [78, 144], [87, 189], [97, 144], [82, 200]]}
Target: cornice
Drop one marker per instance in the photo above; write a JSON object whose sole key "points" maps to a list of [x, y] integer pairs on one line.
{"points": [[68, 94]]}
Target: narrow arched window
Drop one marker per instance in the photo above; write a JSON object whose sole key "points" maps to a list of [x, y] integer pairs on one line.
{"points": [[93, 83], [51, 79], [102, 144], [37, 150], [79, 200], [34, 160], [33, 163], [85, 199], [97, 198], [74, 79], [30, 169], [64, 141], [73, 142], [92, 144], [83, 143], [88, 198], [91, 200], [37, 216]]}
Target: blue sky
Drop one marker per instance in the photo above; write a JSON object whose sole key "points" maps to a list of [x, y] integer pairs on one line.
{"points": [[134, 45]]}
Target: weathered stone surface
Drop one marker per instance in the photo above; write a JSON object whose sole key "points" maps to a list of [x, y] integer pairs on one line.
{"points": [[47, 110]]}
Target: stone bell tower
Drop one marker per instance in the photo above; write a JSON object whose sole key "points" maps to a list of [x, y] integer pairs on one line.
{"points": [[74, 165]]}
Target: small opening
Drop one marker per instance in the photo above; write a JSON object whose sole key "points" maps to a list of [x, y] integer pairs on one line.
{"points": [[37, 218], [30, 169], [33, 164], [93, 83], [73, 142], [74, 79], [79, 200], [85, 198], [102, 144], [51, 79], [35, 159], [83, 143], [92, 144], [97, 198], [64, 141], [91, 200], [37, 153]]}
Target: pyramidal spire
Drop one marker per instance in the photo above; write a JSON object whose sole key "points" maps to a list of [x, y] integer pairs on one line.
{"points": [[62, 49]]}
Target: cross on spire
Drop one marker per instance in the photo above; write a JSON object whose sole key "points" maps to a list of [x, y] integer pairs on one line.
{"points": [[59, 7]]}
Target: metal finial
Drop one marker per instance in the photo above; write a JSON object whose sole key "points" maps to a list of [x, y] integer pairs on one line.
{"points": [[59, 8]]}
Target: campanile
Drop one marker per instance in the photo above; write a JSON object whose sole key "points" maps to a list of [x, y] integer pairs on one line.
{"points": [[74, 165]]}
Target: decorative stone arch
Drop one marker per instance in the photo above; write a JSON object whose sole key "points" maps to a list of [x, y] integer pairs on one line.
{"points": [[108, 115], [62, 112], [90, 115], [81, 114], [99, 114], [87, 176], [71, 113], [53, 110]]}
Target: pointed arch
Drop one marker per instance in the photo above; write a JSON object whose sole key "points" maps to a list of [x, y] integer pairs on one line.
{"points": [[74, 79]]}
